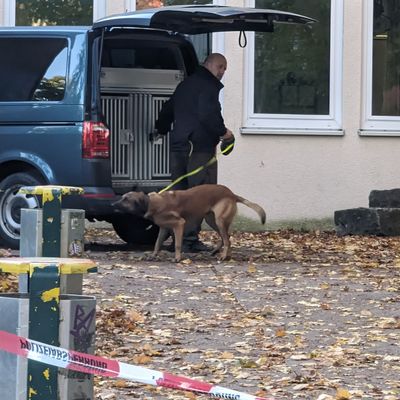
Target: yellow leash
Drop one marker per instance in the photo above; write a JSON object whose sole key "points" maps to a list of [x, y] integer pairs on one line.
{"points": [[197, 170]]}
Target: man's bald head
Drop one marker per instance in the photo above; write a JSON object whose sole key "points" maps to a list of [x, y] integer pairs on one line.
{"points": [[216, 63]]}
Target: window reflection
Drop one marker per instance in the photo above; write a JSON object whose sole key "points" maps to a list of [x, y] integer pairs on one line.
{"points": [[292, 64], [54, 12], [386, 58]]}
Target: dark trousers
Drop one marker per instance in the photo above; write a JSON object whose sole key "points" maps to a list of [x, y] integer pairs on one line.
{"points": [[182, 163]]}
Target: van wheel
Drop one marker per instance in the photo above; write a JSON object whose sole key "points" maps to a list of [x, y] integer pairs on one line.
{"points": [[135, 230], [11, 203]]}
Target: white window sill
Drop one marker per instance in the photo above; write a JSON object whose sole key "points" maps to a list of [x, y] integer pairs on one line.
{"points": [[297, 132], [379, 132]]}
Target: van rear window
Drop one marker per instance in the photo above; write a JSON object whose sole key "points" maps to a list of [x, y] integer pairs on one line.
{"points": [[138, 54], [33, 69]]}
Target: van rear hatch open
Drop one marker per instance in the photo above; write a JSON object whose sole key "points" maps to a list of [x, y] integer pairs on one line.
{"points": [[140, 69], [203, 19]]}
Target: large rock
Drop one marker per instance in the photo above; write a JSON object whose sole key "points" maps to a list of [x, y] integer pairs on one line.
{"points": [[368, 221], [385, 198]]}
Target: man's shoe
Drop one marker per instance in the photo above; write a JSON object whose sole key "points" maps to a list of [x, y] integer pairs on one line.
{"points": [[195, 247]]}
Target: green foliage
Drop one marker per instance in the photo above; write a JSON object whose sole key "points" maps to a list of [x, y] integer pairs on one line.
{"points": [[50, 89], [292, 64], [54, 12], [244, 224]]}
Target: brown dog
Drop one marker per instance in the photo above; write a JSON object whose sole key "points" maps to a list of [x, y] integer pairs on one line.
{"points": [[176, 208]]}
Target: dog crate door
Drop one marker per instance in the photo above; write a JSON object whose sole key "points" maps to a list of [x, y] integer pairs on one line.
{"points": [[131, 118], [116, 112]]}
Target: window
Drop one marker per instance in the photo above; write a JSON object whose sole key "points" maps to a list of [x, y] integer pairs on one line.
{"points": [[55, 12], [382, 67], [139, 54], [43, 80], [294, 72]]}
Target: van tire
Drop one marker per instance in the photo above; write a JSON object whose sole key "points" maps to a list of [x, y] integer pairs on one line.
{"points": [[11, 203], [135, 230]]}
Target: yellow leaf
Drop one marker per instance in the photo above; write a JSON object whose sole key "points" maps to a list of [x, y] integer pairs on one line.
{"points": [[342, 394], [262, 361], [251, 269], [244, 363], [280, 332], [134, 316], [120, 384], [325, 285], [141, 359], [227, 356]]}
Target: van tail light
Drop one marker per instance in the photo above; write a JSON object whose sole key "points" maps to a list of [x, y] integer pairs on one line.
{"points": [[95, 140]]}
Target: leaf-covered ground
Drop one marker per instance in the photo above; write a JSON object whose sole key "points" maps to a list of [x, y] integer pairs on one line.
{"points": [[292, 315]]}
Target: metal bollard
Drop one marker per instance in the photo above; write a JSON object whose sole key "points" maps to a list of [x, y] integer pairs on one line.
{"points": [[44, 275], [51, 204], [46, 280]]}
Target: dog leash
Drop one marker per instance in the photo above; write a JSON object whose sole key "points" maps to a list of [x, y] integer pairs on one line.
{"points": [[197, 170]]}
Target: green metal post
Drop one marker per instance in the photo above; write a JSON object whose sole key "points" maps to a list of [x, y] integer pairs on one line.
{"points": [[44, 312], [44, 292], [51, 204], [44, 296]]}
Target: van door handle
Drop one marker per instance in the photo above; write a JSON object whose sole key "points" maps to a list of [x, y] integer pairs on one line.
{"points": [[126, 136]]}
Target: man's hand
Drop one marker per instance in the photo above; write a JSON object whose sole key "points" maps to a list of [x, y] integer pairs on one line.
{"points": [[154, 136], [228, 135], [228, 140]]}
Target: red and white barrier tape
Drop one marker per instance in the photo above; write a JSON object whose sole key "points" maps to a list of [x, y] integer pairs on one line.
{"points": [[90, 364]]}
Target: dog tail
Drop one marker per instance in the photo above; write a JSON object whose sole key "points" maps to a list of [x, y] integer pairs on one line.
{"points": [[258, 209]]}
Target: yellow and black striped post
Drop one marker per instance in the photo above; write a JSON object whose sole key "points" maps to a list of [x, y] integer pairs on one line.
{"points": [[44, 291], [51, 204], [44, 298]]}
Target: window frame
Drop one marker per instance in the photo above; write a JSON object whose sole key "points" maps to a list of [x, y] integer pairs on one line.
{"points": [[372, 125], [293, 124], [99, 10]]}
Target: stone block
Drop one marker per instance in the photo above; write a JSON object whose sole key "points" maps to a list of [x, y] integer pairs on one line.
{"points": [[385, 198], [368, 221]]}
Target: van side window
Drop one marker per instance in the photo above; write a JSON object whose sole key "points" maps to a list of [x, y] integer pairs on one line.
{"points": [[33, 69]]}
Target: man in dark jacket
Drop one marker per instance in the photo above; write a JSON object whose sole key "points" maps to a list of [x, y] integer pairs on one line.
{"points": [[198, 127]]}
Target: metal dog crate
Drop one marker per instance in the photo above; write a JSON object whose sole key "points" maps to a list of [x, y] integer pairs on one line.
{"points": [[131, 102], [76, 332]]}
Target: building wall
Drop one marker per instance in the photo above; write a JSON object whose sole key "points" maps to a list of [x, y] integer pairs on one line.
{"points": [[115, 6], [297, 177]]}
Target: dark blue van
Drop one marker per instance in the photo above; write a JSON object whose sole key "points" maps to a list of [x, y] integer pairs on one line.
{"points": [[77, 105]]}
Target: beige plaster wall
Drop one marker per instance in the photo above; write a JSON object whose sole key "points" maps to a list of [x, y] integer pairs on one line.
{"points": [[115, 7], [296, 177], [2, 12]]}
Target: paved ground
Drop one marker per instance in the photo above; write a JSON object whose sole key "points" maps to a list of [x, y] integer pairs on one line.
{"points": [[292, 315], [307, 316]]}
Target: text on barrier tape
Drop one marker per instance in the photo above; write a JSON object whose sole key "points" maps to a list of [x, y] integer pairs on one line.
{"points": [[90, 364]]}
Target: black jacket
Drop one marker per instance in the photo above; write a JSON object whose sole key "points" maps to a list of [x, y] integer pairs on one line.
{"points": [[195, 111]]}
